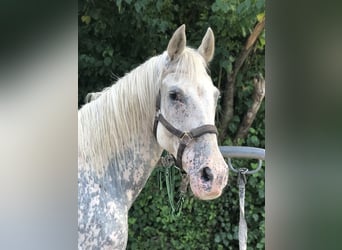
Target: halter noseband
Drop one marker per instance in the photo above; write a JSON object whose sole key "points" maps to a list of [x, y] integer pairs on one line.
{"points": [[185, 137]]}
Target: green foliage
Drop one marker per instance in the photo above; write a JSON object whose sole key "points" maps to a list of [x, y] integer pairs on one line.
{"points": [[202, 224], [117, 35]]}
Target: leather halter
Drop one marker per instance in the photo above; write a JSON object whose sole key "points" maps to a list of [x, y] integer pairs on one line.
{"points": [[185, 137]]}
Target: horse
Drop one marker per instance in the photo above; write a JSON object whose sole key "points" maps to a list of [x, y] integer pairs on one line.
{"points": [[166, 103]]}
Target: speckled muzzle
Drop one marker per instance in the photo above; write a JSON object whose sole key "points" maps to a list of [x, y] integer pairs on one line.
{"points": [[208, 171]]}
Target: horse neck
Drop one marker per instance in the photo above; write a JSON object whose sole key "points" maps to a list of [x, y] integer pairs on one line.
{"points": [[121, 157], [136, 166]]}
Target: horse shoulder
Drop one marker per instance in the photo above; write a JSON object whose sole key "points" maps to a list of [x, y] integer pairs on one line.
{"points": [[102, 218]]}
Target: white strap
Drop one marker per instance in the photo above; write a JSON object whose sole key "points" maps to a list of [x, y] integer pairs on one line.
{"points": [[242, 221]]}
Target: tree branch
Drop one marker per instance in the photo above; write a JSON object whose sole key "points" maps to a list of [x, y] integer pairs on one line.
{"points": [[228, 94], [258, 96]]}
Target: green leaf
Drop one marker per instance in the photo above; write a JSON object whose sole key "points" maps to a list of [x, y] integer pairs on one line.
{"points": [[254, 140], [255, 217], [243, 30], [232, 127], [260, 16], [252, 130], [86, 19], [107, 61]]}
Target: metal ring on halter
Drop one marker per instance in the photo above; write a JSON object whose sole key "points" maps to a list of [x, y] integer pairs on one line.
{"points": [[247, 172]]}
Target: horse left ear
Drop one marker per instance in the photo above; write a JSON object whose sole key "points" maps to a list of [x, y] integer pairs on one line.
{"points": [[207, 47]]}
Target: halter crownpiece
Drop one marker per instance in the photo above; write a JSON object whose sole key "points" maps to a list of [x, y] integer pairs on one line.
{"points": [[185, 137]]}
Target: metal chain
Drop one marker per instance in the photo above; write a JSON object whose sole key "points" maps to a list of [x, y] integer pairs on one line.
{"points": [[229, 161]]}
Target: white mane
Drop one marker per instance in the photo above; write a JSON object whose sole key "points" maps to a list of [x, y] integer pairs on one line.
{"points": [[126, 109]]}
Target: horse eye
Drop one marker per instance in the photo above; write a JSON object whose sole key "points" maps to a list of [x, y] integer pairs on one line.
{"points": [[174, 96]]}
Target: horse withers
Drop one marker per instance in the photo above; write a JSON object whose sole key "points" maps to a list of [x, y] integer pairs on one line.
{"points": [[168, 103]]}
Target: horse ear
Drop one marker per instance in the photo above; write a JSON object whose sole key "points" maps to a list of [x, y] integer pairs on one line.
{"points": [[92, 96], [207, 47], [177, 43], [88, 98]]}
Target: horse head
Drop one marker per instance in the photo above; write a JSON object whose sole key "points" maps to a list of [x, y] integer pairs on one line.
{"points": [[186, 114]]}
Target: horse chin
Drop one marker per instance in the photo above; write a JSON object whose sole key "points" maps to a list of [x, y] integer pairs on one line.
{"points": [[204, 191]]}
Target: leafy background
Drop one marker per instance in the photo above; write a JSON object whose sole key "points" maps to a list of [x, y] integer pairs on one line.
{"points": [[115, 36]]}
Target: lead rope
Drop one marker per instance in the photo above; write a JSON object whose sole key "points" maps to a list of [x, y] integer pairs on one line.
{"points": [[183, 190], [167, 162], [242, 180], [242, 222], [169, 165]]}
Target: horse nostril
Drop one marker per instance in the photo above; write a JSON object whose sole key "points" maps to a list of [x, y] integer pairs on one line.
{"points": [[206, 174]]}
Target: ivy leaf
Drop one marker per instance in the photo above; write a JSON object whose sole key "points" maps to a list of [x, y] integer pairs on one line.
{"points": [[260, 16], [254, 140], [255, 217], [252, 130], [86, 19], [243, 30]]}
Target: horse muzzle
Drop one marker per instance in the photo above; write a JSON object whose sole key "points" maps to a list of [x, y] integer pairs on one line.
{"points": [[207, 186], [206, 168]]}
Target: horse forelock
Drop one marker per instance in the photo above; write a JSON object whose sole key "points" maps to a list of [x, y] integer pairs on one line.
{"points": [[192, 64]]}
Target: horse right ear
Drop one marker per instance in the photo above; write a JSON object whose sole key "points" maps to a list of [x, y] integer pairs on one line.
{"points": [[88, 98], [91, 97], [177, 43]]}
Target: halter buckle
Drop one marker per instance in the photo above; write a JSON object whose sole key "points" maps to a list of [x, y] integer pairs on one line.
{"points": [[186, 138]]}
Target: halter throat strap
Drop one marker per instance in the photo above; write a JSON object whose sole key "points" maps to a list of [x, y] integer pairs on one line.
{"points": [[185, 137]]}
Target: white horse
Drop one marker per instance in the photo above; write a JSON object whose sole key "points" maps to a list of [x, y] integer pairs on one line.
{"points": [[168, 103]]}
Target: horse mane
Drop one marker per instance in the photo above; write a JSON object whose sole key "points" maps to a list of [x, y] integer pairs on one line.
{"points": [[116, 115]]}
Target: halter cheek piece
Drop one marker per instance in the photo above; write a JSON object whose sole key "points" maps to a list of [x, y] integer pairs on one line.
{"points": [[185, 137]]}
